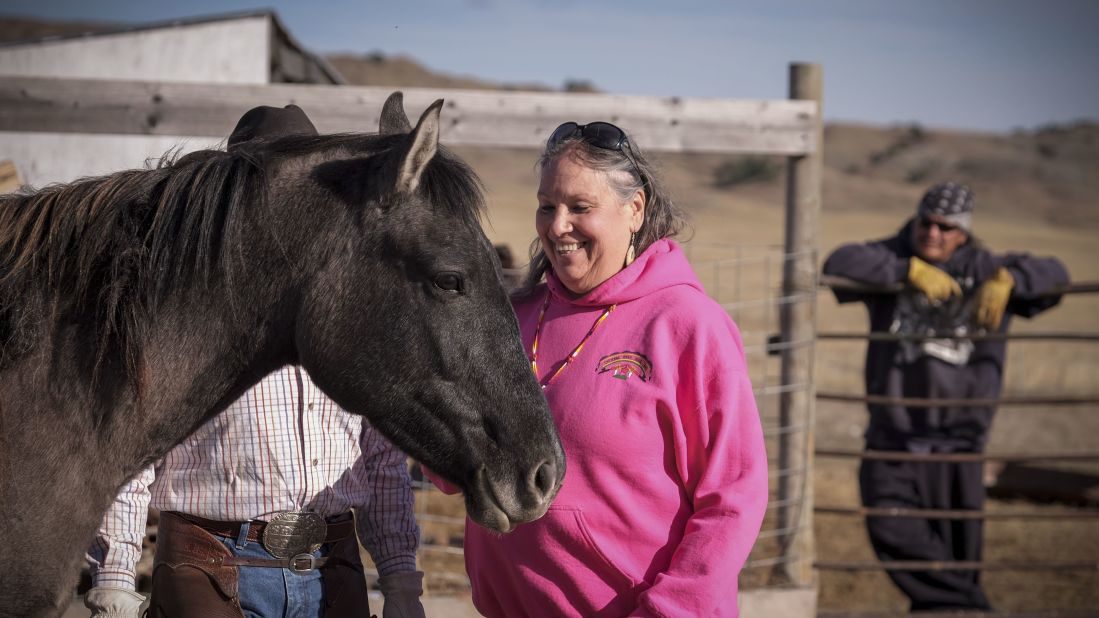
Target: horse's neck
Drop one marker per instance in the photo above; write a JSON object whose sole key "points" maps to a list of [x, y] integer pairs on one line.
{"points": [[81, 454], [198, 358]]}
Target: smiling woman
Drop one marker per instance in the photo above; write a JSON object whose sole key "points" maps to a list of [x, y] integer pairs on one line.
{"points": [[585, 170], [584, 228], [645, 377]]}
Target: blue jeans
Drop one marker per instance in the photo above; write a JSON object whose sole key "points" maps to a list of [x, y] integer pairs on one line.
{"points": [[267, 592]]}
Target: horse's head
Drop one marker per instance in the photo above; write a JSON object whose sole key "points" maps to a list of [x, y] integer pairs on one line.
{"points": [[403, 317]]}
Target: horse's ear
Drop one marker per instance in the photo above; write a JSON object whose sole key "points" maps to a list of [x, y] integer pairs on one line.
{"points": [[425, 143], [394, 120]]}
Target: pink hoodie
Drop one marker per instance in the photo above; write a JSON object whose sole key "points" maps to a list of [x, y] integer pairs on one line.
{"points": [[666, 482]]}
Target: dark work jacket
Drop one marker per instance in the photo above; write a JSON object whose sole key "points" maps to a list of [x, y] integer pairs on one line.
{"points": [[894, 371]]}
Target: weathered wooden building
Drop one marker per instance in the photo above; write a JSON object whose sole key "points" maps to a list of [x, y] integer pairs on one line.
{"points": [[240, 49]]}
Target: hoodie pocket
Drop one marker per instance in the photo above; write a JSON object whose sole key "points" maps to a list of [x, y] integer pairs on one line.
{"points": [[557, 569], [566, 533]]}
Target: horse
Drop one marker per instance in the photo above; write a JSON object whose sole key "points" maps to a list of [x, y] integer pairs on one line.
{"points": [[137, 305]]}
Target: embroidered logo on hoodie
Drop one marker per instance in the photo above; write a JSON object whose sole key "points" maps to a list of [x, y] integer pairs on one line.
{"points": [[626, 364]]}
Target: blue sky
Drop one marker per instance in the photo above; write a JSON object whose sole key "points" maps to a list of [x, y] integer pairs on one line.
{"points": [[970, 64]]}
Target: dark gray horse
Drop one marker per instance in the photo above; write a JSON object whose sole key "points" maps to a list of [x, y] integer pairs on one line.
{"points": [[135, 306]]}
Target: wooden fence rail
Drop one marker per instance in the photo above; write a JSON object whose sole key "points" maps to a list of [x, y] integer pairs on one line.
{"points": [[956, 457], [473, 117], [867, 511]]}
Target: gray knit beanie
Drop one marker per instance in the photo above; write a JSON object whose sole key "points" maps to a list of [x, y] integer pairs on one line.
{"points": [[950, 200]]}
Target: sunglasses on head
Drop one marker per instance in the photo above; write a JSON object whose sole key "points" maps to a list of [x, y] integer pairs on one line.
{"points": [[602, 134], [926, 223], [599, 134]]}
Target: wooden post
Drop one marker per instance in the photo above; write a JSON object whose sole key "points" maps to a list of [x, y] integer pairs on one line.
{"points": [[9, 177], [798, 329]]}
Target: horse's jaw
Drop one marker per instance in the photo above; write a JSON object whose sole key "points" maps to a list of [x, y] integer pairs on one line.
{"points": [[497, 510]]}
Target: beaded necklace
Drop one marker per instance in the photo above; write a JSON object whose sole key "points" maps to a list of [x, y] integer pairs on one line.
{"points": [[573, 355]]}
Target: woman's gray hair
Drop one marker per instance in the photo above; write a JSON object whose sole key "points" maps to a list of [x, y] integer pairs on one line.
{"points": [[663, 219]]}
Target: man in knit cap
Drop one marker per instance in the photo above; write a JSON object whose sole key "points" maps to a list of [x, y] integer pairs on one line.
{"points": [[954, 287]]}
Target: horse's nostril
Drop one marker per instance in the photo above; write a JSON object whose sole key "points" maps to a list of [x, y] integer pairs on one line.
{"points": [[545, 478]]}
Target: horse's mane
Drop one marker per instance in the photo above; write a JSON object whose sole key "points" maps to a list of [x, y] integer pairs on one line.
{"points": [[108, 249], [103, 248]]}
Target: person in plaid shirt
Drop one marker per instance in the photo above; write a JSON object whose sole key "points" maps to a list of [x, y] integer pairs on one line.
{"points": [[282, 447]]}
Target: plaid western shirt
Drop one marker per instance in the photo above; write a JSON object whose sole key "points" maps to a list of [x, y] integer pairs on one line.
{"points": [[283, 446]]}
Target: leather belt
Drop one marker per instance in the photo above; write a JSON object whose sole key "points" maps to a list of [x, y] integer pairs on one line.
{"points": [[336, 531], [302, 563]]}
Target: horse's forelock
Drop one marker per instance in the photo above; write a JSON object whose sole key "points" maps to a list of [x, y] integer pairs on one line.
{"points": [[448, 183]]}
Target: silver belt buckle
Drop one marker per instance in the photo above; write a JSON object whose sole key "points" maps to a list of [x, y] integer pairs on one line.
{"points": [[303, 563], [291, 533]]}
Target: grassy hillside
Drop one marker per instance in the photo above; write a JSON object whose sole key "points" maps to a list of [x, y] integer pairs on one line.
{"points": [[378, 69]]}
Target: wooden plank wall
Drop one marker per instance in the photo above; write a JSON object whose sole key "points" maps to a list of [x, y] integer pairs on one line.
{"points": [[474, 117]]}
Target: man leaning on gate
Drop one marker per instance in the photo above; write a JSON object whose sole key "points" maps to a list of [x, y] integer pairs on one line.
{"points": [[955, 286]]}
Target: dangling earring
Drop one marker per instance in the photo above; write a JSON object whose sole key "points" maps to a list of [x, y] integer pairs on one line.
{"points": [[630, 253]]}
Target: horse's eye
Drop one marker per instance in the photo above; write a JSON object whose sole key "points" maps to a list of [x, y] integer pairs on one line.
{"points": [[451, 282]]}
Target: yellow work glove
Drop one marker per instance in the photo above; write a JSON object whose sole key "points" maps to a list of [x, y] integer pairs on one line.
{"points": [[935, 284], [992, 299]]}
